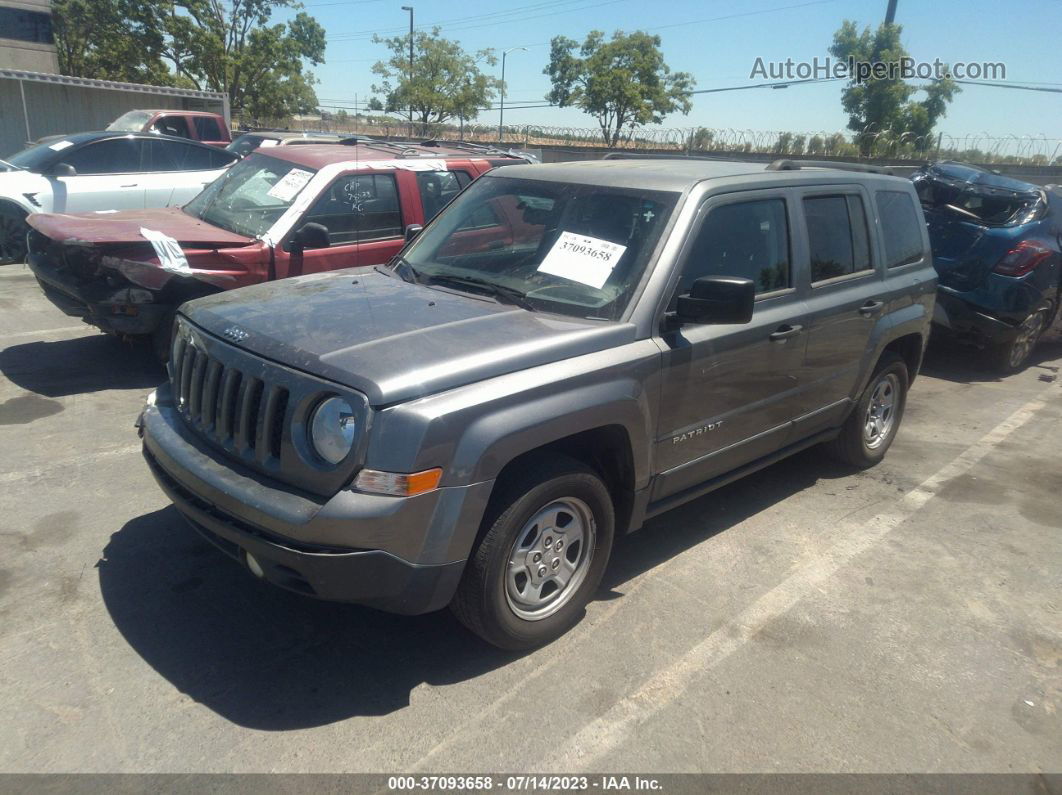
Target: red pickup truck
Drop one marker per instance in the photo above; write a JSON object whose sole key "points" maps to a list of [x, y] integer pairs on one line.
{"points": [[280, 212], [197, 125]]}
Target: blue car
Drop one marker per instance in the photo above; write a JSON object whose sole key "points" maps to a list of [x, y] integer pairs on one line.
{"points": [[997, 250]]}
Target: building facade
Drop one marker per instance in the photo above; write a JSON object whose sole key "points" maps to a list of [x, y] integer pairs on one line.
{"points": [[26, 38]]}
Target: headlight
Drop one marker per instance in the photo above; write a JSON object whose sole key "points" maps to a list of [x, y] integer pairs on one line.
{"points": [[332, 429]]}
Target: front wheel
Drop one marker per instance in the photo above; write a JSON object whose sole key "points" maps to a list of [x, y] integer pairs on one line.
{"points": [[871, 427], [13, 229], [545, 547]]}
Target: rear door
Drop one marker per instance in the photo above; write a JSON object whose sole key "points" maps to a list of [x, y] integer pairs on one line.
{"points": [[108, 178], [175, 171], [730, 392], [845, 297]]}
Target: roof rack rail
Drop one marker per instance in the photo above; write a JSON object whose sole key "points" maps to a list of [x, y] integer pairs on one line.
{"points": [[485, 149], [786, 164], [405, 150], [659, 156]]}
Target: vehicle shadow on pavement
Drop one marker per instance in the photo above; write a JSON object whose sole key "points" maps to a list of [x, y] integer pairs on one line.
{"points": [[268, 659], [84, 364], [262, 657], [963, 364]]}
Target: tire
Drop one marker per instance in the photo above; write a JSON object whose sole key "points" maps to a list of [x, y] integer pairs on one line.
{"points": [[1011, 356], [513, 607], [861, 444], [13, 229]]}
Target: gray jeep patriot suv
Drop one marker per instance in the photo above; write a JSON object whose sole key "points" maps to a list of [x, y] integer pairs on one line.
{"points": [[565, 351]]}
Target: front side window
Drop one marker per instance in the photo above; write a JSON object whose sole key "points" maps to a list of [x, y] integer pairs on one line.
{"points": [[901, 228], [837, 236], [358, 207], [439, 188], [251, 196], [115, 156], [172, 125], [577, 250], [745, 239]]}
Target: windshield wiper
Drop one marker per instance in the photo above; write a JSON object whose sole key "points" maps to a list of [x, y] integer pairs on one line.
{"points": [[498, 291], [407, 273]]}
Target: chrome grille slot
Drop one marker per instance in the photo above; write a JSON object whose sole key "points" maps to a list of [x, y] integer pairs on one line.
{"points": [[255, 411]]}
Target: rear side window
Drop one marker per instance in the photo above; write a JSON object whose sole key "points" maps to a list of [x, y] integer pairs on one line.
{"points": [[900, 227], [359, 207], [837, 236], [207, 129], [115, 156], [172, 125], [746, 239], [177, 156]]}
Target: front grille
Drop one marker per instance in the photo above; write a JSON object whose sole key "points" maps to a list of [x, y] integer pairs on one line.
{"points": [[237, 410], [256, 411]]}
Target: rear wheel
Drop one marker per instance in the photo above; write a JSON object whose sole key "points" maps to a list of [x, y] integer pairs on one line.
{"points": [[871, 427], [1011, 356], [545, 546], [13, 229]]}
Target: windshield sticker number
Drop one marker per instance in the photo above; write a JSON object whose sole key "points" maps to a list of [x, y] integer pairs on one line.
{"points": [[59, 146], [169, 251], [587, 260], [290, 184]]}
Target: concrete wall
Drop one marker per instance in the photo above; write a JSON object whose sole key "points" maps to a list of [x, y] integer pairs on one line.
{"points": [[56, 109]]}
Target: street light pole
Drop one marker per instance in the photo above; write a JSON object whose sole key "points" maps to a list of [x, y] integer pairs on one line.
{"points": [[501, 107], [410, 84]]}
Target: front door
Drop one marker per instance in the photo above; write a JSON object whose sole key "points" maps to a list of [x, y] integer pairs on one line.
{"points": [[108, 178], [730, 392]]}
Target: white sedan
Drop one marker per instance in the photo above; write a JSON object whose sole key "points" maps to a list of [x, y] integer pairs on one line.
{"points": [[100, 171]]}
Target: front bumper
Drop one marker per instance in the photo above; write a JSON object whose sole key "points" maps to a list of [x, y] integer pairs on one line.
{"points": [[400, 555], [96, 302]]}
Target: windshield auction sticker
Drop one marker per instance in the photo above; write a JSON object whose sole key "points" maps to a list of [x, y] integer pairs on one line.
{"points": [[290, 184], [587, 260]]}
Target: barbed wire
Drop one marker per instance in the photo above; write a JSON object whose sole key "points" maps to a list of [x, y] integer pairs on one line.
{"points": [[973, 147]]}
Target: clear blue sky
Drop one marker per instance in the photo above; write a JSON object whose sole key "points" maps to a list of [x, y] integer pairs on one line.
{"points": [[718, 41]]}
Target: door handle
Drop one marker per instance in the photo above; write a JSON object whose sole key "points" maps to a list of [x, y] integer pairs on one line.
{"points": [[870, 307], [785, 332], [130, 185]]}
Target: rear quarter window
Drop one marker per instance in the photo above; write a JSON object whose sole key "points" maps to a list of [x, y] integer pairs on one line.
{"points": [[901, 228]]}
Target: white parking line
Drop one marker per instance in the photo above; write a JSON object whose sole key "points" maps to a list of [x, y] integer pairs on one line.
{"points": [[43, 331], [79, 461], [606, 733]]}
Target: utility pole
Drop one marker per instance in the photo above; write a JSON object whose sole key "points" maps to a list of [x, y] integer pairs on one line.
{"points": [[890, 12], [410, 84], [501, 107]]}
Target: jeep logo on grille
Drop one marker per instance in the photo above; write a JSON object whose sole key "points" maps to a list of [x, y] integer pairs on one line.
{"points": [[235, 334]]}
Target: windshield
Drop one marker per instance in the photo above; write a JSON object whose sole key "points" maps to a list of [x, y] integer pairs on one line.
{"points": [[572, 249], [251, 196], [133, 121], [37, 157]]}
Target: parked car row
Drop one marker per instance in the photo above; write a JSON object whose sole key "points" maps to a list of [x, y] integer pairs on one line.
{"points": [[447, 383]]}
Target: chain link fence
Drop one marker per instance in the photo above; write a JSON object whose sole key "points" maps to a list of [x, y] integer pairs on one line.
{"points": [[1035, 150]]}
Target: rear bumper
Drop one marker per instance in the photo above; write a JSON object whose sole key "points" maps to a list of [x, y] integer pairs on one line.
{"points": [[959, 317], [96, 302], [400, 555]]}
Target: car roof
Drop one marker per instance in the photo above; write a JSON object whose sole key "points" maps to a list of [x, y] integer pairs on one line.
{"points": [[179, 112], [96, 135], [322, 155], [288, 135], [679, 174]]}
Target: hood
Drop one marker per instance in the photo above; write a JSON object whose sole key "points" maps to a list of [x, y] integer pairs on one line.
{"points": [[391, 340], [124, 226]]}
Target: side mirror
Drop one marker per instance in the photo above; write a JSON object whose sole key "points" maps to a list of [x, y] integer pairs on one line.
{"points": [[63, 170], [412, 231], [717, 300], [311, 235]]}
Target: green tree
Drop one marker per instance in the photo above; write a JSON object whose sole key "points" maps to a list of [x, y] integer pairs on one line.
{"points": [[622, 82], [446, 82], [215, 45], [111, 40], [879, 106]]}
